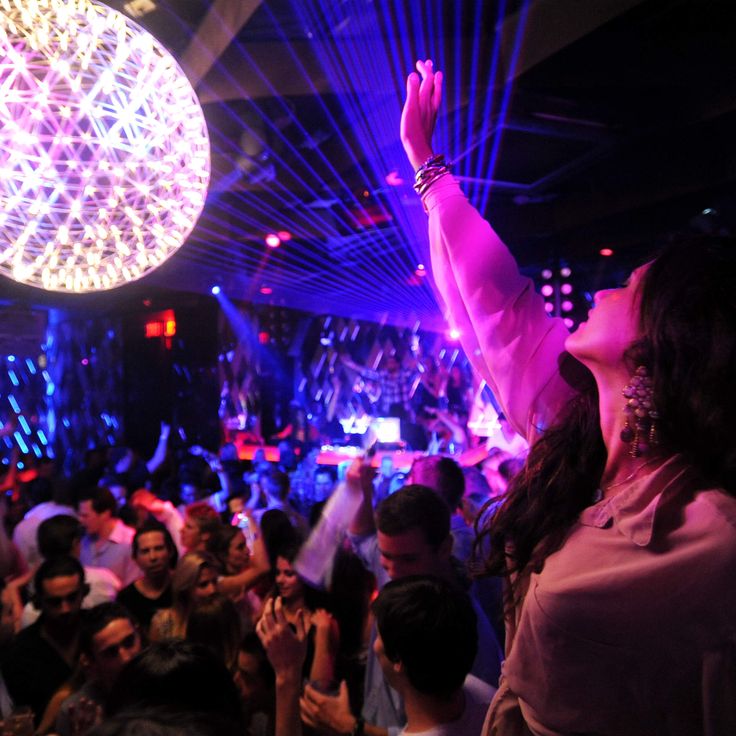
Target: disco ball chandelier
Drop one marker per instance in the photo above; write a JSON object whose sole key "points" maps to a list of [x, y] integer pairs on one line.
{"points": [[104, 153]]}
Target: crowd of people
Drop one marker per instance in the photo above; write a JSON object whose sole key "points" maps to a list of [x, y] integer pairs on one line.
{"points": [[128, 557], [589, 591]]}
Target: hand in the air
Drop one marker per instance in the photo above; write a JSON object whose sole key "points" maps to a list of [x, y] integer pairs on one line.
{"points": [[418, 118]]}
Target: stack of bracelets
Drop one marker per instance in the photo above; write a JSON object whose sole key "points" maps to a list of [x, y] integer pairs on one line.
{"points": [[428, 173]]}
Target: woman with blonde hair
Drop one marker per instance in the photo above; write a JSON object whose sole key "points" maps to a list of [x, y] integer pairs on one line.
{"points": [[194, 580]]}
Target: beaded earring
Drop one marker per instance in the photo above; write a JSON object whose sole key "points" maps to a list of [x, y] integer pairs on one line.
{"points": [[640, 410]]}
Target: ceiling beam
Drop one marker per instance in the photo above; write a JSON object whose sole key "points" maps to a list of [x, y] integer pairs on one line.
{"points": [[220, 26], [550, 26]]}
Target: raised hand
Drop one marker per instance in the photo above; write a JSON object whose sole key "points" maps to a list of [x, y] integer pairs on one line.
{"points": [[418, 118], [286, 649]]}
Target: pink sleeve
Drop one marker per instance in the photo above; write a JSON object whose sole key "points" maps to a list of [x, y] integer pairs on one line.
{"points": [[506, 333]]}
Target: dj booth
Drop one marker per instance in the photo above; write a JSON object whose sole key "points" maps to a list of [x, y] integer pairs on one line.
{"points": [[329, 455]]}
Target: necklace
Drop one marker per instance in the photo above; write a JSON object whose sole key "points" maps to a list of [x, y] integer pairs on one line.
{"points": [[600, 491]]}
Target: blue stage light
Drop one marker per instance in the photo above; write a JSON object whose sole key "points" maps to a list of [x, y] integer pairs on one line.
{"points": [[215, 290]]}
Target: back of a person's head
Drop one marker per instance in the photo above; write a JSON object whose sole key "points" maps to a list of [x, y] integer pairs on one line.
{"points": [[57, 534], [277, 531], [510, 467], [177, 675], [429, 626], [215, 623], [278, 483], [150, 721], [99, 617], [40, 490], [415, 507], [443, 475], [475, 482], [251, 644]]}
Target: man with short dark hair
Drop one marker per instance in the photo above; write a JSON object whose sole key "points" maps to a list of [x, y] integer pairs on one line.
{"points": [[276, 485], [43, 656], [445, 477], [59, 536], [48, 500], [108, 639], [426, 643], [107, 542]]}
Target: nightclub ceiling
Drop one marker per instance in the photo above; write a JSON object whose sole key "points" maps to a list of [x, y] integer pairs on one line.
{"points": [[576, 126]]}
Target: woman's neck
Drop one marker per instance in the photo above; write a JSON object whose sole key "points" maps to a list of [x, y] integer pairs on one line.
{"points": [[620, 466], [292, 605]]}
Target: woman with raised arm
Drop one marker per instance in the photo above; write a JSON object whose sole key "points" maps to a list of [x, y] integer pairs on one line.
{"points": [[618, 539]]}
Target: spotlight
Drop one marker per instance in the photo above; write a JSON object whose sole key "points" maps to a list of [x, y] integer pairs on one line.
{"points": [[215, 290], [566, 288], [454, 334], [273, 240], [546, 274], [266, 290], [568, 323], [606, 252], [565, 272], [284, 235], [547, 290]]}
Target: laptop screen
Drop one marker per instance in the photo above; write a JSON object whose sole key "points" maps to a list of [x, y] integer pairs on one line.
{"points": [[386, 430]]}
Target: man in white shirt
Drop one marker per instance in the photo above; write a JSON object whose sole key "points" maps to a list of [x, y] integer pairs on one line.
{"points": [[24, 534], [427, 641], [61, 535]]}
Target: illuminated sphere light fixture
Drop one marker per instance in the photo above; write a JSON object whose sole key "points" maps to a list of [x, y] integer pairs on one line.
{"points": [[104, 153]]}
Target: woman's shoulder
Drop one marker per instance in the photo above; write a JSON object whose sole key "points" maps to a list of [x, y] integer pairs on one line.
{"points": [[720, 504]]}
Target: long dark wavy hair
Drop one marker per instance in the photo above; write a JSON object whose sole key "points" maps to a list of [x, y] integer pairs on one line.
{"points": [[687, 302]]}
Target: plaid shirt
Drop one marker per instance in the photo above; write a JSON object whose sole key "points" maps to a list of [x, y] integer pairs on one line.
{"points": [[395, 386]]}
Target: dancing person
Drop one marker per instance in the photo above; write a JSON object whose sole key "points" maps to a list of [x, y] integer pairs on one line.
{"points": [[301, 601], [286, 647], [43, 656], [426, 643], [156, 555], [618, 537], [183, 679], [193, 580], [241, 571], [215, 624], [409, 534], [108, 540], [108, 639]]}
